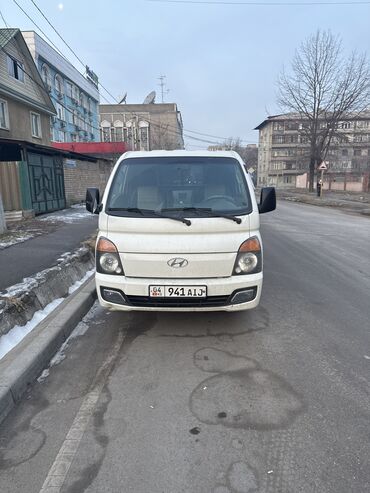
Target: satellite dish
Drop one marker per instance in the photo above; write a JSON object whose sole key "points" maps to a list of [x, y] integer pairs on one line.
{"points": [[150, 99], [123, 99]]}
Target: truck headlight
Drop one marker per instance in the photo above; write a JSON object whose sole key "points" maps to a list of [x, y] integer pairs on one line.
{"points": [[249, 257], [107, 257]]}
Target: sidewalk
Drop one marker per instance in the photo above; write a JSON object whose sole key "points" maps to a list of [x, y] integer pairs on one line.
{"points": [[38, 314], [353, 202], [32, 246]]}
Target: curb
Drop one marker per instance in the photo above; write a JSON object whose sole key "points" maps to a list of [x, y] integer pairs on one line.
{"points": [[23, 364], [18, 303]]}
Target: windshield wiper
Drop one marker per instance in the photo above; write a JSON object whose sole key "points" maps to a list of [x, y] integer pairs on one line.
{"points": [[149, 211], [206, 210]]}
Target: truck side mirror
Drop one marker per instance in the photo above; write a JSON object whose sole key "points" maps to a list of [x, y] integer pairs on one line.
{"points": [[93, 200], [268, 200]]}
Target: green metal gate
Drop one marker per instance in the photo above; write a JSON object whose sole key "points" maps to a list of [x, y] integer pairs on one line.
{"points": [[46, 182]]}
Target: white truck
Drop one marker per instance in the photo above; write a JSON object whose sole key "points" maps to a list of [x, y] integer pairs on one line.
{"points": [[179, 231]]}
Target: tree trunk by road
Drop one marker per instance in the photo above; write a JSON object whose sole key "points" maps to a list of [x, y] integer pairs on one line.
{"points": [[2, 217]]}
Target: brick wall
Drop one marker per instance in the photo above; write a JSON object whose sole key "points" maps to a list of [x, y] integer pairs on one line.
{"points": [[79, 175]]}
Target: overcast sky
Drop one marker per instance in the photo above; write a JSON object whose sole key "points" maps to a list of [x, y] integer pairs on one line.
{"points": [[221, 61]]}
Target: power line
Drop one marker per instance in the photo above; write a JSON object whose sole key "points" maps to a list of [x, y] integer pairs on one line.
{"points": [[39, 28], [3, 18], [53, 28], [69, 47], [50, 41], [259, 4], [41, 86], [217, 136], [170, 129]]}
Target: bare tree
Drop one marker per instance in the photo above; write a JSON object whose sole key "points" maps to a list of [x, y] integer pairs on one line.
{"points": [[323, 88], [248, 153], [2, 217]]}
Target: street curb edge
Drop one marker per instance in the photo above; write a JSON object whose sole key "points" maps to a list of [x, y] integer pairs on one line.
{"points": [[21, 367]]}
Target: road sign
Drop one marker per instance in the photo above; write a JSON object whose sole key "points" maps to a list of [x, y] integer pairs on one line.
{"points": [[322, 166]]}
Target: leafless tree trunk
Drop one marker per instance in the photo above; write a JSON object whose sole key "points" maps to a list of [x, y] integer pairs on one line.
{"points": [[2, 217], [323, 88]]}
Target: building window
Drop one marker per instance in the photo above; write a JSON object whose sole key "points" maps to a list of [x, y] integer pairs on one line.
{"points": [[69, 89], [76, 94], [4, 117], [105, 131], [74, 137], [60, 112], [344, 125], [278, 126], [59, 84], [15, 68], [344, 152], [83, 100], [35, 125], [91, 106], [61, 136], [45, 74]]}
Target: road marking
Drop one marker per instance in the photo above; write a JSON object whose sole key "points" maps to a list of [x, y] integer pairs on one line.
{"points": [[58, 471]]}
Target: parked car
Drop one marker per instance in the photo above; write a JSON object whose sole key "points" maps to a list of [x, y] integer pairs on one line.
{"points": [[179, 230]]}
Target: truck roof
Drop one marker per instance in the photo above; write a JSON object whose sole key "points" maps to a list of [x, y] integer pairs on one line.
{"points": [[180, 153]]}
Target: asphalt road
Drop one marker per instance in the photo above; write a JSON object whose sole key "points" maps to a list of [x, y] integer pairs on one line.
{"points": [[275, 400]]}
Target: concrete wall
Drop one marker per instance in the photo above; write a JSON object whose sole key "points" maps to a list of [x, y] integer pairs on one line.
{"points": [[340, 183], [79, 175], [20, 123]]}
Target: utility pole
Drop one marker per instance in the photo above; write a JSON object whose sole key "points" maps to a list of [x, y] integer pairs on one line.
{"points": [[2, 217], [162, 85]]}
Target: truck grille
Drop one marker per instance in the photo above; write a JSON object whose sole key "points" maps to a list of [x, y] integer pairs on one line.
{"points": [[146, 301]]}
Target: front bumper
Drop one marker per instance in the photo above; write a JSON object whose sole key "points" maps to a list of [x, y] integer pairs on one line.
{"points": [[220, 291]]}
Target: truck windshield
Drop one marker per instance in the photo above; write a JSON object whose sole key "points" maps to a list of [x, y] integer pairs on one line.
{"points": [[182, 186]]}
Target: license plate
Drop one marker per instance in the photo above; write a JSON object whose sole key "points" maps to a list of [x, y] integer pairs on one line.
{"points": [[178, 291]]}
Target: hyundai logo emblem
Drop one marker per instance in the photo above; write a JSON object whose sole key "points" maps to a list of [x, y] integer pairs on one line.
{"points": [[177, 262]]}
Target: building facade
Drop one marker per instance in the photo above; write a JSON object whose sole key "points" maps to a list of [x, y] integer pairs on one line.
{"points": [[31, 176], [75, 97], [143, 127], [25, 108], [283, 153]]}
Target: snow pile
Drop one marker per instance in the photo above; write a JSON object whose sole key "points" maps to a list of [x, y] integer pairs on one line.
{"points": [[9, 340], [69, 216], [12, 238], [77, 284], [15, 335]]}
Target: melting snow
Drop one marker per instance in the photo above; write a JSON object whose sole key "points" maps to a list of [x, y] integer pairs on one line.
{"points": [[12, 238], [77, 284], [75, 213], [17, 333]]}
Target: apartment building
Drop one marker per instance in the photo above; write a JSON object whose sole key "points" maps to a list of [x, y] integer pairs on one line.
{"points": [[283, 152], [143, 127], [75, 97]]}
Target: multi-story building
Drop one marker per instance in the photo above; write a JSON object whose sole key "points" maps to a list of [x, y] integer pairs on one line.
{"points": [[75, 97], [25, 108], [142, 126], [283, 152], [31, 174]]}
